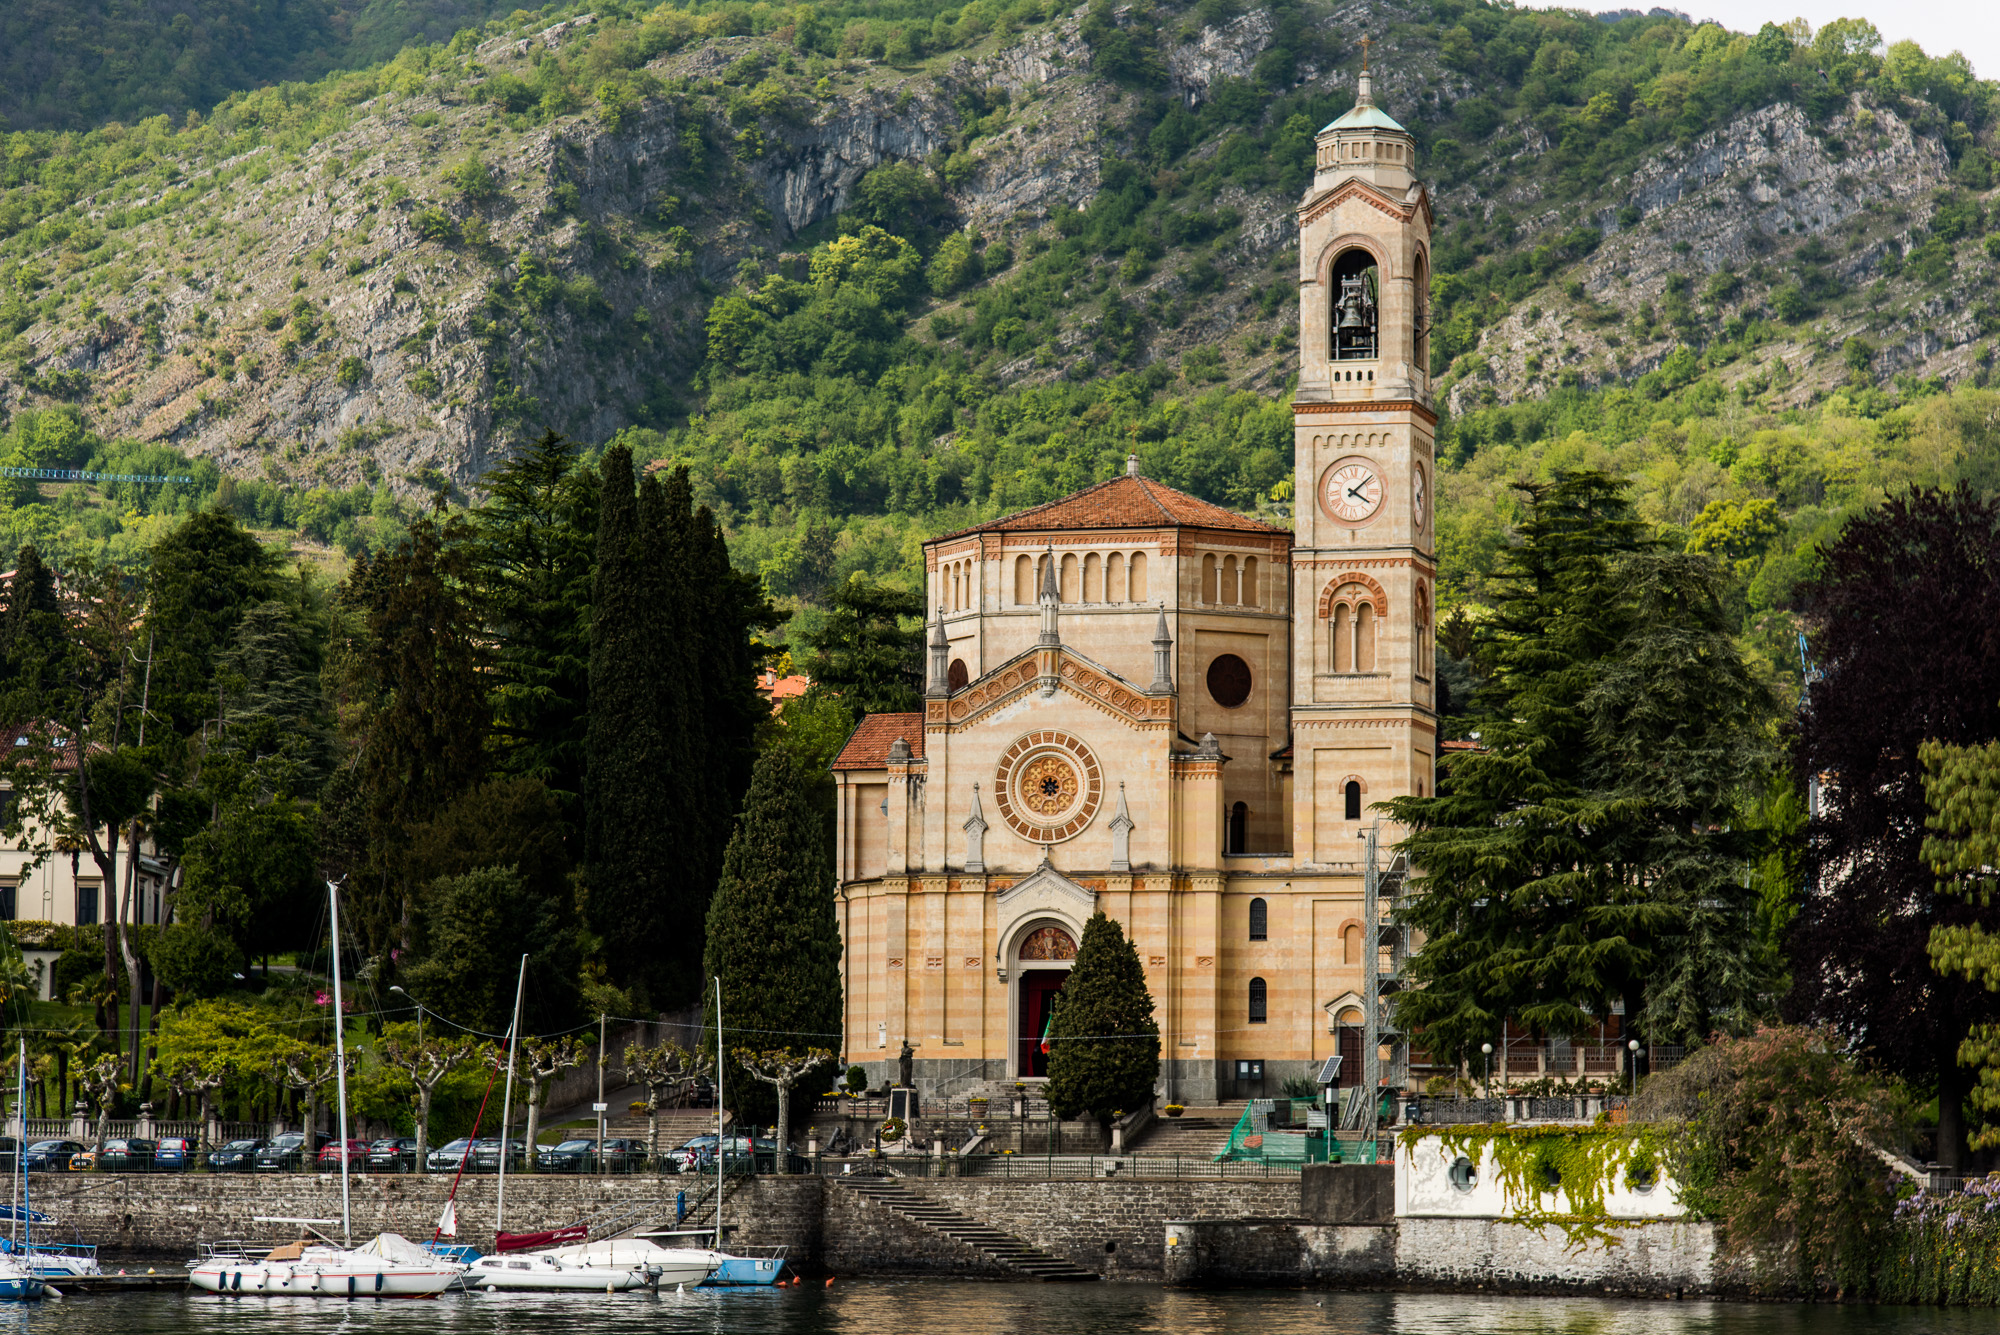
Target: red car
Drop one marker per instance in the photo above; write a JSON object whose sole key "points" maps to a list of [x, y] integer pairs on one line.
{"points": [[356, 1154]]}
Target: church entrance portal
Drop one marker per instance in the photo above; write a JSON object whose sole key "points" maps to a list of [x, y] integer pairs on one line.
{"points": [[1038, 999]]}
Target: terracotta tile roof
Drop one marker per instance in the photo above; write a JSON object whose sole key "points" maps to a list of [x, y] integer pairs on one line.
{"points": [[868, 747], [779, 689], [1125, 501]]}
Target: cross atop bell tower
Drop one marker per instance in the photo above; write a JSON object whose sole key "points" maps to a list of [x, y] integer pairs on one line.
{"points": [[1362, 689]]}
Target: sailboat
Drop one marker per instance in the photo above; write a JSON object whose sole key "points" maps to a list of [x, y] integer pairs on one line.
{"points": [[736, 1271], [18, 1280], [389, 1266]]}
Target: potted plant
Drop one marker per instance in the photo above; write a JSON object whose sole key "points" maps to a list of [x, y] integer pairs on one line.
{"points": [[1174, 1109]]}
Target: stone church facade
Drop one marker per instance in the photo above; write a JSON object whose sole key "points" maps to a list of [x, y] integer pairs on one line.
{"points": [[1143, 703]]}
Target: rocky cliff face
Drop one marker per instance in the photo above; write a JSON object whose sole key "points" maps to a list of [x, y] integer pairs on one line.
{"points": [[365, 308]]}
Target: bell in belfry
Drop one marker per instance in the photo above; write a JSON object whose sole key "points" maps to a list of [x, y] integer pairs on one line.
{"points": [[1353, 305]]}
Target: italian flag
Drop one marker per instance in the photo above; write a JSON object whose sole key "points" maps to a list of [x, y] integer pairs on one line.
{"points": [[1047, 1025]]}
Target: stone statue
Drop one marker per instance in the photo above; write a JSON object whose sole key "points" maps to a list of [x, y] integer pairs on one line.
{"points": [[904, 1059]]}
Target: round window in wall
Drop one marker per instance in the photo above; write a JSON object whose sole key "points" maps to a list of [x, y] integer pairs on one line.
{"points": [[1228, 680], [1464, 1175]]}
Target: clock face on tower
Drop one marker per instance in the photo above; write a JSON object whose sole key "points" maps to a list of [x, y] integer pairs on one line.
{"points": [[1417, 496], [1351, 490]]}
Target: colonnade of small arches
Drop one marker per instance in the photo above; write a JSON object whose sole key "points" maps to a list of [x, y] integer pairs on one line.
{"points": [[1354, 627], [958, 585], [1091, 577]]}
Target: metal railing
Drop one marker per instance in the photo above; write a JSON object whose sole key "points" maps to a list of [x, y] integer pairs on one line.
{"points": [[1065, 1167]]}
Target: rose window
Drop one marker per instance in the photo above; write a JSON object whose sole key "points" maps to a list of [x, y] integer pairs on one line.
{"points": [[1048, 786]]}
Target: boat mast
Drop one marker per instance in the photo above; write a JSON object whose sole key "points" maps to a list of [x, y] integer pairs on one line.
{"points": [[507, 1099], [25, 1227], [339, 1066], [718, 1116]]}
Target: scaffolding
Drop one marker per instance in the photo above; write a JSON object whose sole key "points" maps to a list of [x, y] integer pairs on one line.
{"points": [[1383, 891]]}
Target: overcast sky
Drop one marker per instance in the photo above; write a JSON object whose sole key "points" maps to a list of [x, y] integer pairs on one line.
{"points": [[1938, 26]]}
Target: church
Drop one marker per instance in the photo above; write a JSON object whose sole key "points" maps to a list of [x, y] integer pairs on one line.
{"points": [[1142, 703]]}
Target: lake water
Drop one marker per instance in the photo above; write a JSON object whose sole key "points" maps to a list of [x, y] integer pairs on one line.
{"points": [[869, 1307]]}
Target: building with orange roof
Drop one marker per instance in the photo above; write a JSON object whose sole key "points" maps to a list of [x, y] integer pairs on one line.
{"points": [[1143, 703]]}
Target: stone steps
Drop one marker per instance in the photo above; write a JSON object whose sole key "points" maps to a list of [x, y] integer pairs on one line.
{"points": [[1199, 1133], [1003, 1249]]}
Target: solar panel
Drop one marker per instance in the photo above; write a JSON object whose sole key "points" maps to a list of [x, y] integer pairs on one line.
{"points": [[1329, 1074]]}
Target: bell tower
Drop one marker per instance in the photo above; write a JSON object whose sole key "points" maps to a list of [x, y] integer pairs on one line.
{"points": [[1364, 723]]}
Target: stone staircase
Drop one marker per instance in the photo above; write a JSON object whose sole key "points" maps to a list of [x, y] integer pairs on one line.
{"points": [[1199, 1133], [1003, 1249]]}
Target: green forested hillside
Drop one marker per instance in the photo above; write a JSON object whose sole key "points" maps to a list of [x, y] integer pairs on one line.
{"points": [[619, 219]]}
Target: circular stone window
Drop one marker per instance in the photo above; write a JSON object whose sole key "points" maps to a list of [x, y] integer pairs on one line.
{"points": [[1464, 1175], [1228, 681], [1048, 787]]}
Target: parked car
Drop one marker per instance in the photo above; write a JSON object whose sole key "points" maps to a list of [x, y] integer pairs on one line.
{"points": [[580, 1156], [52, 1154], [736, 1155], [395, 1154], [128, 1156], [445, 1158], [238, 1156], [83, 1160], [486, 1155], [289, 1150], [354, 1151], [176, 1154]]}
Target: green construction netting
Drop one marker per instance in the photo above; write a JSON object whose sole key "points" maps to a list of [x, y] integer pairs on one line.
{"points": [[1255, 1140]]}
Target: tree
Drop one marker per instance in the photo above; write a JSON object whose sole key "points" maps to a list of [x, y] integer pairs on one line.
{"points": [[535, 546], [426, 1063], [781, 1068], [1962, 789], [1104, 1044], [1904, 627], [309, 1068], [475, 928], [101, 1082], [669, 1073], [417, 699], [638, 763], [1778, 1141], [863, 652], [205, 1044], [206, 574], [773, 939], [194, 960], [545, 1059], [1518, 909]]}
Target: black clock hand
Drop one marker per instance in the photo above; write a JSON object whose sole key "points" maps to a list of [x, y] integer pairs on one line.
{"points": [[1355, 491]]}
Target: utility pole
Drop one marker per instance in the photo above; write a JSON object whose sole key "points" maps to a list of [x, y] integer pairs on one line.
{"points": [[1381, 889]]}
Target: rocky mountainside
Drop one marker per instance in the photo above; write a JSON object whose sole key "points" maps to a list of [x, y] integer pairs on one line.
{"points": [[527, 228]]}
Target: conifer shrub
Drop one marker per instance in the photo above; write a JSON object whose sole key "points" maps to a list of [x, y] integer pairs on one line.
{"points": [[1104, 1050]]}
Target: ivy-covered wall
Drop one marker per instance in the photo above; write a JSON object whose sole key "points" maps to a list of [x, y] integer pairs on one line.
{"points": [[1576, 1178]]}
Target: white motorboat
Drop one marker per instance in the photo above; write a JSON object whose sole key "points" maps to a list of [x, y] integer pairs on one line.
{"points": [[544, 1271], [662, 1265], [391, 1266]]}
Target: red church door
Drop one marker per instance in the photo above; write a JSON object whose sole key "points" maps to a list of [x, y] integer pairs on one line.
{"points": [[1038, 999]]}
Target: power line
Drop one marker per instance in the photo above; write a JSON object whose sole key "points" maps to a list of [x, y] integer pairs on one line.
{"points": [[80, 475]]}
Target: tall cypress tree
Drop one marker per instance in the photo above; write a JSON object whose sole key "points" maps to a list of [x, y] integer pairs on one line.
{"points": [[632, 828], [773, 937], [536, 546], [1104, 1051]]}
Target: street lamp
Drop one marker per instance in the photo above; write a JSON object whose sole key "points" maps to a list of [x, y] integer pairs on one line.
{"points": [[1632, 1046], [1486, 1051], [396, 988]]}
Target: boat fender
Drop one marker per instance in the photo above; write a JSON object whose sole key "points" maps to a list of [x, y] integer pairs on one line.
{"points": [[237, 1280], [378, 1281], [350, 1285], [607, 1286]]}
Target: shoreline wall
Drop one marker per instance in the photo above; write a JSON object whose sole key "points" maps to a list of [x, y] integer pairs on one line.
{"points": [[1326, 1229]]}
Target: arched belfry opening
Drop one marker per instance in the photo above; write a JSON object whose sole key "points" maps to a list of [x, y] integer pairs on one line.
{"points": [[1357, 309]]}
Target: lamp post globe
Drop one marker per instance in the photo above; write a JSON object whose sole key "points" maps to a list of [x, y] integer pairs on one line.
{"points": [[1486, 1053], [1632, 1046]]}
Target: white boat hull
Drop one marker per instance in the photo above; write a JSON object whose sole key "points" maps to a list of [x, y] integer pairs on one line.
{"points": [[538, 1274], [298, 1279], [665, 1266]]}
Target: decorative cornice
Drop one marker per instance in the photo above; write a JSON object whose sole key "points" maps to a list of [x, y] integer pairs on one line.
{"points": [[1352, 189], [1309, 407], [1421, 566], [1357, 724]]}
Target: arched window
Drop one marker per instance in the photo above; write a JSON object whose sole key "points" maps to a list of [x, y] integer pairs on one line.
{"points": [[1341, 628], [1114, 578], [1351, 630], [1355, 312], [1260, 918], [957, 676], [1232, 581], [1350, 945], [1256, 1001], [1071, 592], [1239, 825], [1138, 577], [1353, 796], [1364, 638], [1251, 596], [1208, 580], [1093, 579], [1421, 628], [1024, 581]]}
